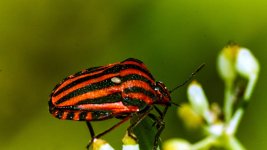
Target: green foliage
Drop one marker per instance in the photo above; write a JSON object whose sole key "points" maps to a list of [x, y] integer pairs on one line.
{"points": [[145, 133]]}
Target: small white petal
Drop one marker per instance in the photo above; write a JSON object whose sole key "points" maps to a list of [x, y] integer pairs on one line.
{"points": [[248, 67], [176, 144], [216, 129], [100, 144], [198, 99], [106, 147], [130, 147], [235, 121], [246, 63]]}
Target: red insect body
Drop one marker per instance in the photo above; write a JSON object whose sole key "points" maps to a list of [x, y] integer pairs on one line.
{"points": [[93, 90], [116, 90]]}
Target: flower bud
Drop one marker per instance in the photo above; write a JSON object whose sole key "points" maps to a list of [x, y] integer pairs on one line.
{"points": [[100, 144], [129, 143], [226, 63], [248, 67], [197, 99], [176, 144], [190, 118]]}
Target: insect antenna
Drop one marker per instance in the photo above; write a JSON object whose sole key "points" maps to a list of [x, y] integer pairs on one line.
{"points": [[189, 78]]}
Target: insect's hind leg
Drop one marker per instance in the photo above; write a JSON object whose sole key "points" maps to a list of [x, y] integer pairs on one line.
{"points": [[93, 136], [92, 133]]}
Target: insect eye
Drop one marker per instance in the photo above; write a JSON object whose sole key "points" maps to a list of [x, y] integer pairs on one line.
{"points": [[116, 80]]}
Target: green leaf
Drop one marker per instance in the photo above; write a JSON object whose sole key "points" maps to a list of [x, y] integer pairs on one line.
{"points": [[145, 132]]}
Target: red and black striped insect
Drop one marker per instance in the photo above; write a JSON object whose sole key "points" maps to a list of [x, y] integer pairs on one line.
{"points": [[117, 90]]}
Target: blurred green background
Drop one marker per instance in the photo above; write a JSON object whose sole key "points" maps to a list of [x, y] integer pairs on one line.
{"points": [[43, 41]]}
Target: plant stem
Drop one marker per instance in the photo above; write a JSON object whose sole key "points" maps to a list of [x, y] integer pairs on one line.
{"points": [[234, 144], [228, 103], [204, 143]]}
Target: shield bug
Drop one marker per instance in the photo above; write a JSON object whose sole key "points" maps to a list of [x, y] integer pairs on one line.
{"points": [[119, 90]]}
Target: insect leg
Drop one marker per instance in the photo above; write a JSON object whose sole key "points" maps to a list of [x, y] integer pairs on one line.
{"points": [[158, 111], [161, 113], [92, 133], [137, 121], [103, 133], [91, 130], [160, 124], [164, 111]]}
